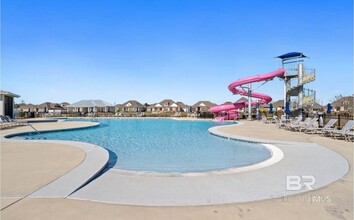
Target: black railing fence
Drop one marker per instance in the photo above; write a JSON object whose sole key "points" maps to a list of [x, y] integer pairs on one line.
{"points": [[342, 119]]}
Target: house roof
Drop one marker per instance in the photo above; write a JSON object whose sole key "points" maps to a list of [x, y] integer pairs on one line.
{"points": [[18, 105], [152, 105], [207, 104], [316, 106], [182, 105], [279, 103], [132, 104], [167, 102], [90, 103], [45, 105], [50, 106], [2, 92], [344, 101], [242, 99], [28, 106]]}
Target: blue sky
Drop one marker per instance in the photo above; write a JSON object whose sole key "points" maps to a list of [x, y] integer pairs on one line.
{"points": [[187, 50]]}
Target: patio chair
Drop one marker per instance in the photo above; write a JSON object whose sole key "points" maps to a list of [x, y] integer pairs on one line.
{"points": [[294, 124], [343, 132], [349, 136], [4, 123], [176, 114], [7, 121], [281, 122], [192, 115], [327, 128], [274, 119], [308, 125], [264, 119]]}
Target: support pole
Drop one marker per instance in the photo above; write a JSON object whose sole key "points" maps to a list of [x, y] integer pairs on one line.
{"points": [[301, 88], [249, 102]]}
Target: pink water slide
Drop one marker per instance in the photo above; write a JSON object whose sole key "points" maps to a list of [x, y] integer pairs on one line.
{"points": [[234, 87]]}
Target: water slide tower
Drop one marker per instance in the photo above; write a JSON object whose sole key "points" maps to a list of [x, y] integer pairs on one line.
{"points": [[295, 78]]}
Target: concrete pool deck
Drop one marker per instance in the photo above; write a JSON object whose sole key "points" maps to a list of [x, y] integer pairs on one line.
{"points": [[340, 192], [60, 183]]}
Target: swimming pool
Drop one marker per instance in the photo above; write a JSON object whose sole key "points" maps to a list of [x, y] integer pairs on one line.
{"points": [[163, 145]]}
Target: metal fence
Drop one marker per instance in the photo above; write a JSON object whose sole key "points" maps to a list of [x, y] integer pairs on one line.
{"points": [[342, 119]]}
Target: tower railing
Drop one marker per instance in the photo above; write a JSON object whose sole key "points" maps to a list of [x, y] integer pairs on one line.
{"points": [[309, 96], [308, 76]]}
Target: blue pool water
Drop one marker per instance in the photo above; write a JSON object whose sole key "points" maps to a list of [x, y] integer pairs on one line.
{"points": [[164, 145]]}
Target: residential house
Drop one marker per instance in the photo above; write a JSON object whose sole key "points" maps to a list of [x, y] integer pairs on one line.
{"points": [[202, 106], [156, 107], [242, 99], [315, 107], [91, 106], [119, 107], [182, 107], [130, 106], [167, 105], [18, 105], [28, 108], [52, 108], [64, 104], [44, 107], [343, 104], [278, 105]]}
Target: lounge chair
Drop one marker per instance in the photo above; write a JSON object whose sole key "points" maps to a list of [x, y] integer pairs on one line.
{"points": [[274, 119], [308, 125], [15, 121], [141, 114], [4, 123], [343, 132], [349, 136], [193, 115], [281, 122], [264, 119], [327, 128], [294, 124], [7, 121], [176, 114]]}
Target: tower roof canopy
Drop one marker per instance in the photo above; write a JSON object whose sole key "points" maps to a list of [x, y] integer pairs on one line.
{"points": [[291, 55]]}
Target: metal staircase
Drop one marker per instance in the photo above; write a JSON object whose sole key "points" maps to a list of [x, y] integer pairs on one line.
{"points": [[308, 75], [294, 80]]}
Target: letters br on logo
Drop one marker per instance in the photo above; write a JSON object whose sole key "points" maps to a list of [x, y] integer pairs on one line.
{"points": [[295, 183]]}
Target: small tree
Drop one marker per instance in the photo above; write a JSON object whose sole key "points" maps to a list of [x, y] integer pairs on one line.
{"points": [[21, 114]]}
